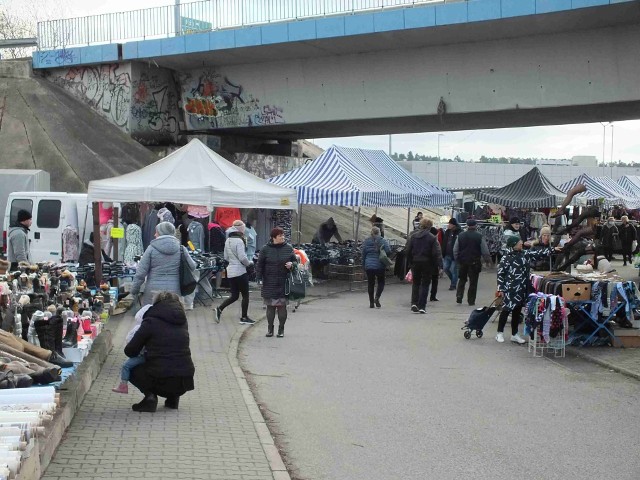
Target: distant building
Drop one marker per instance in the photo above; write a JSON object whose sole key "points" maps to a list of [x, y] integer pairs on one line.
{"points": [[544, 161], [584, 161]]}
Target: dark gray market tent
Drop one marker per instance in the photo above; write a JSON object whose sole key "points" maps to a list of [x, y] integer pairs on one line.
{"points": [[533, 190]]}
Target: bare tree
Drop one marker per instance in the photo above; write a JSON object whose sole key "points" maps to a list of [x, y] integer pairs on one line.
{"points": [[19, 19]]}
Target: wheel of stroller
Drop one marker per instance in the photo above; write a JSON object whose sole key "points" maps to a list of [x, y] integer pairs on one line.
{"points": [[467, 334], [479, 333]]}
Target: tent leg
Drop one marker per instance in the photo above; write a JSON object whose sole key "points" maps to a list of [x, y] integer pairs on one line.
{"points": [[116, 224], [408, 220], [97, 245], [299, 224], [357, 226]]}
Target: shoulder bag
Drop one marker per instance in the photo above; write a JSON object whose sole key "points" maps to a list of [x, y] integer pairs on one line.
{"points": [[295, 288], [382, 255], [187, 280]]}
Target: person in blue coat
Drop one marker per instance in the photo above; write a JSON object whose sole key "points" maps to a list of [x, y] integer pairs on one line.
{"points": [[373, 266]]}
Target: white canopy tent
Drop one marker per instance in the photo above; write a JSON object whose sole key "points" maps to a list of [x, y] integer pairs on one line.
{"points": [[195, 175]]}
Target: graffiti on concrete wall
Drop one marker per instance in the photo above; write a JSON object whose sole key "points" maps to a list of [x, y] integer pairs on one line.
{"points": [[266, 166], [212, 100], [56, 58], [105, 88], [154, 106]]}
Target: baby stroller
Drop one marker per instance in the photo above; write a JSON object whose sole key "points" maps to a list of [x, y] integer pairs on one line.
{"points": [[479, 318]]}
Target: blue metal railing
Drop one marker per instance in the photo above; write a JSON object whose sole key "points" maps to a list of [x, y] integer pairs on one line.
{"points": [[173, 20]]}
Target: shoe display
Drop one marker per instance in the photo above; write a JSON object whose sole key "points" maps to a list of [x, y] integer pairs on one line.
{"points": [[246, 321], [500, 337], [217, 313], [414, 308], [517, 339]]}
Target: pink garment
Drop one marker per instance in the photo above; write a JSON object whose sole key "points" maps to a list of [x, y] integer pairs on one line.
{"points": [[197, 211], [106, 214]]}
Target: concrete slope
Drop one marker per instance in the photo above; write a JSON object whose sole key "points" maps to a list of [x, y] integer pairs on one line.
{"points": [[41, 126]]}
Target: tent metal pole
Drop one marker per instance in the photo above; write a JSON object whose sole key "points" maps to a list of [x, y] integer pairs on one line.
{"points": [[299, 223], [97, 247], [357, 226], [408, 220]]}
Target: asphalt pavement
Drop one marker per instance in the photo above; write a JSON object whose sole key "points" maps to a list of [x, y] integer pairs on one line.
{"points": [[352, 392]]}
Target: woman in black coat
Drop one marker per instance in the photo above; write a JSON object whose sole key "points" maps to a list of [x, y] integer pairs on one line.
{"points": [[274, 264], [168, 370], [627, 234]]}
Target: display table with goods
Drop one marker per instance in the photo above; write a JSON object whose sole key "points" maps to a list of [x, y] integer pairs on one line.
{"points": [[50, 323], [598, 306]]}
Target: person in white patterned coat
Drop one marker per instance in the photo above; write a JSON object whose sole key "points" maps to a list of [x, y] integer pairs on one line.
{"points": [[513, 280]]}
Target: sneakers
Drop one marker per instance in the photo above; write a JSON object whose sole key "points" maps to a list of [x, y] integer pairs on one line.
{"points": [[123, 387], [500, 337], [433, 299], [458, 300], [452, 287], [414, 308], [188, 307], [422, 310], [217, 313], [246, 321], [517, 339], [377, 302]]}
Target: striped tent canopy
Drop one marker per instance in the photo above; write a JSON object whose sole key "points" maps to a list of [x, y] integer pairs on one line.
{"points": [[631, 183], [358, 177], [595, 191], [630, 200], [533, 190]]}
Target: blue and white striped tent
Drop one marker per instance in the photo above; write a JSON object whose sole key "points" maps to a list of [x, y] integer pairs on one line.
{"points": [[358, 177], [631, 183], [595, 191], [630, 200]]}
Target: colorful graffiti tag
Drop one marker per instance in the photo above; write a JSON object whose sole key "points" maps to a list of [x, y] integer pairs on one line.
{"points": [[153, 109], [105, 88], [212, 100]]}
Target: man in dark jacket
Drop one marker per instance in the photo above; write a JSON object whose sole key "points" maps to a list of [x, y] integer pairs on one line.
{"points": [[448, 242], [168, 369], [425, 257], [18, 240], [327, 230], [468, 252]]}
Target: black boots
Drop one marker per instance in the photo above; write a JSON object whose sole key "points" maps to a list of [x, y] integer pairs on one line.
{"points": [[50, 337], [172, 402], [269, 330], [280, 330], [70, 339], [148, 404], [377, 302]]}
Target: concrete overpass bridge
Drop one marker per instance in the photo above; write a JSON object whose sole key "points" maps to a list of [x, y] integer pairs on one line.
{"points": [[472, 64]]}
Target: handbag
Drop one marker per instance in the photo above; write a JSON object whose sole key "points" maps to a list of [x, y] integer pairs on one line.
{"points": [[382, 256], [187, 280], [634, 245], [295, 288]]}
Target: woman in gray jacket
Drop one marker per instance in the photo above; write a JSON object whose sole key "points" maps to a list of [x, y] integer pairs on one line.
{"points": [[236, 254], [160, 265]]}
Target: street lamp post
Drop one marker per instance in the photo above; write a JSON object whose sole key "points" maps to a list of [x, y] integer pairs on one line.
{"points": [[604, 134], [611, 158], [439, 135]]}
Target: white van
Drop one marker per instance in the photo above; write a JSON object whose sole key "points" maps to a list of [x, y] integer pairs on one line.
{"points": [[51, 212]]}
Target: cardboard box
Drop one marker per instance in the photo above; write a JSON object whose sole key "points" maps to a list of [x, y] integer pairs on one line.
{"points": [[576, 291]]}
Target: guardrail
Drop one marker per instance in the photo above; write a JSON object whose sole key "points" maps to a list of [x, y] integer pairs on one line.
{"points": [[195, 17]]}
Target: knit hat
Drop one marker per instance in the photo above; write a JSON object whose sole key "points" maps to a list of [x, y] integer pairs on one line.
{"points": [[471, 222], [23, 215], [37, 315], [512, 241], [239, 225], [165, 228], [164, 215], [514, 220], [453, 221]]}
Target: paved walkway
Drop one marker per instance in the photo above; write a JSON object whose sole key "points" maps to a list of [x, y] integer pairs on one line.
{"points": [[216, 433]]}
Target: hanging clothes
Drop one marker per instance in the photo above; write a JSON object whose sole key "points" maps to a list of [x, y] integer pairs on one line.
{"points": [[105, 238], [195, 233], [149, 227], [225, 216], [217, 238], [70, 244], [198, 211], [134, 248], [105, 212]]}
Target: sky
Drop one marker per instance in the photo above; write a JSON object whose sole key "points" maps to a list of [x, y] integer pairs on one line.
{"points": [[562, 141]]}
